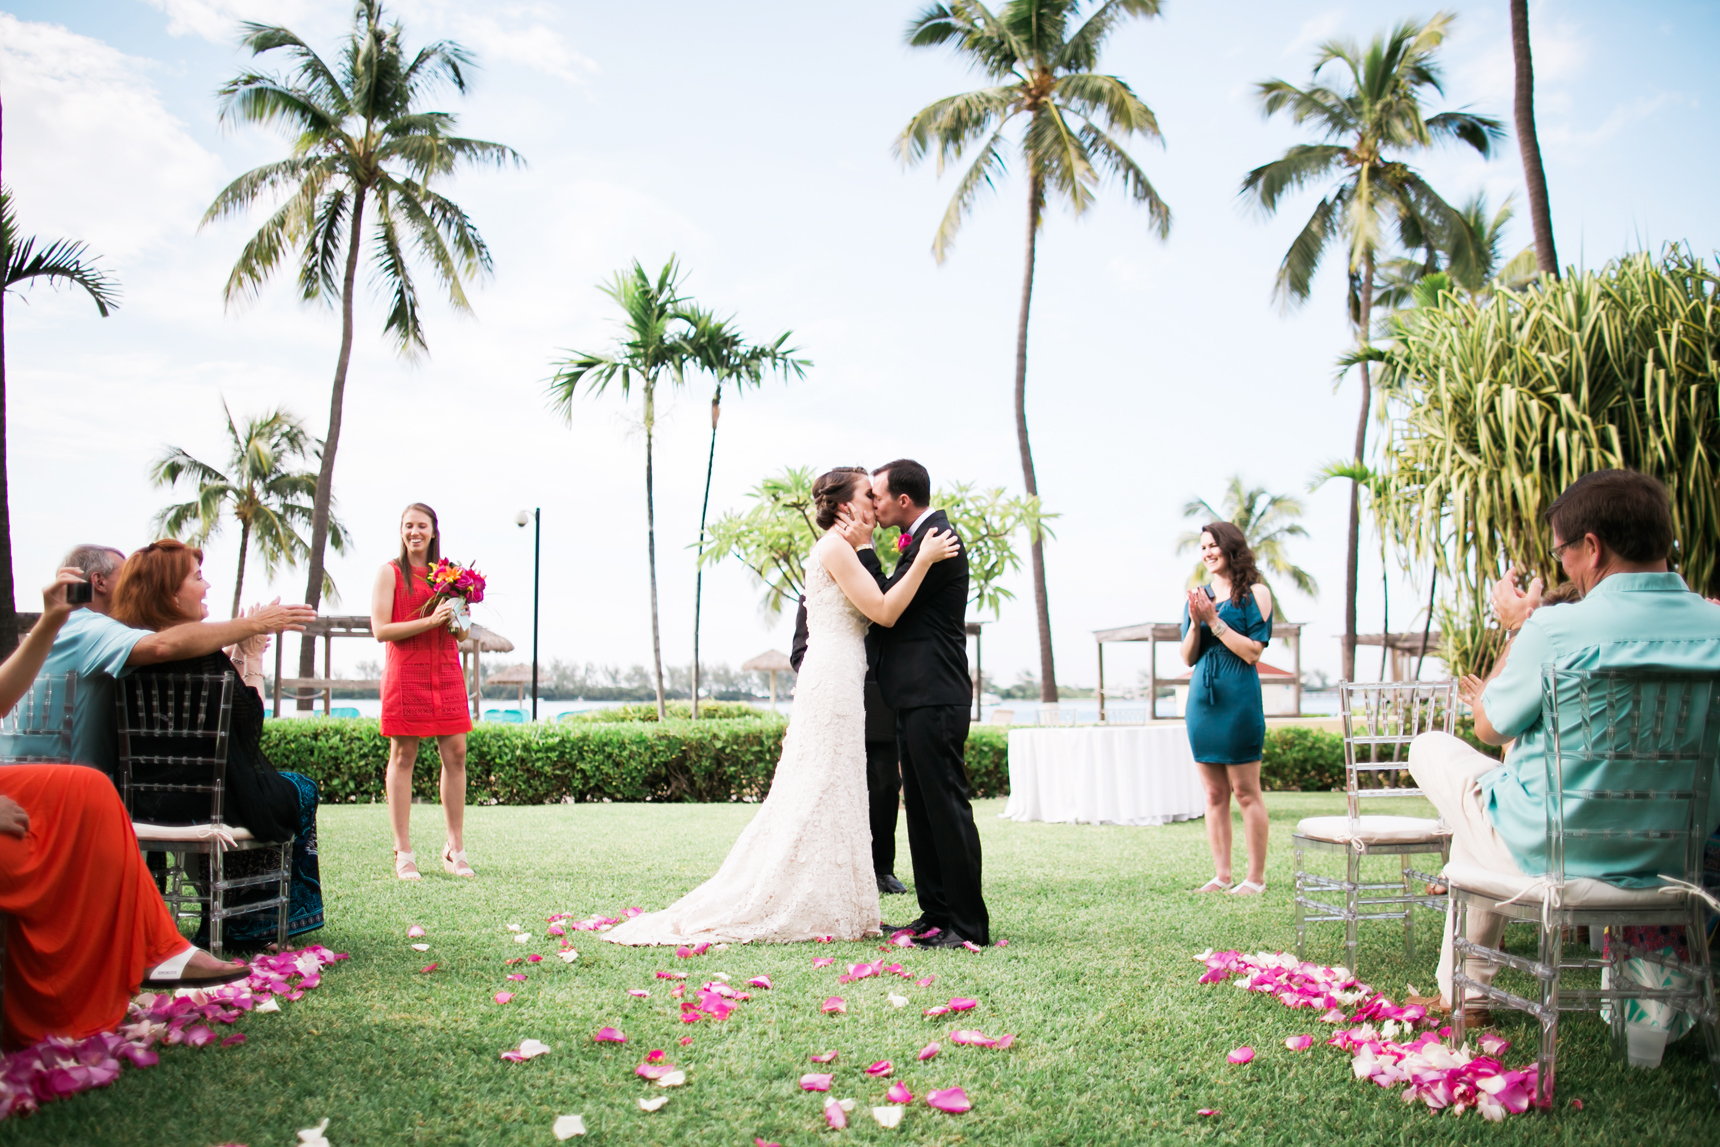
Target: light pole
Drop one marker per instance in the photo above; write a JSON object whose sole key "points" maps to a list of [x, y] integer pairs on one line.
{"points": [[535, 517]]}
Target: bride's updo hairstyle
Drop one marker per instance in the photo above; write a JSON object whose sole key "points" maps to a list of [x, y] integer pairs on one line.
{"points": [[833, 488]]}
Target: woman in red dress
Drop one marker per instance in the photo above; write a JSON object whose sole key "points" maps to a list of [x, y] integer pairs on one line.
{"points": [[423, 690]]}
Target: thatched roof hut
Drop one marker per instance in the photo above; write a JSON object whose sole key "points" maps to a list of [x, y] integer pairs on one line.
{"points": [[772, 662]]}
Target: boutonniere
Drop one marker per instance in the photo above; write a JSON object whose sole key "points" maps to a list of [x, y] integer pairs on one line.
{"points": [[903, 542]]}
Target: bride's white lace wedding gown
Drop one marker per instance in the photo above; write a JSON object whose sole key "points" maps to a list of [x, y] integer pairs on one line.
{"points": [[803, 867]]}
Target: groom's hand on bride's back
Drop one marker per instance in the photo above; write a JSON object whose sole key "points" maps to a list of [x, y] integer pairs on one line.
{"points": [[939, 545]]}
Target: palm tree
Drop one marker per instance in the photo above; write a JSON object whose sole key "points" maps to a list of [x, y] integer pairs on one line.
{"points": [[269, 499], [1042, 63], [1362, 125], [657, 343], [1267, 520], [360, 137], [1471, 261], [721, 352], [61, 261], [1528, 143]]}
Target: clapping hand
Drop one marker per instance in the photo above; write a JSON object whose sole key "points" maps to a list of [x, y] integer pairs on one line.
{"points": [[938, 545], [1469, 690], [1201, 607], [256, 645], [1512, 605]]}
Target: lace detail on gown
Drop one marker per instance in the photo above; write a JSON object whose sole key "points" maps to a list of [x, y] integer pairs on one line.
{"points": [[803, 867]]}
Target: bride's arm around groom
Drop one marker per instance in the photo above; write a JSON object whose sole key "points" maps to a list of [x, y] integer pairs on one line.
{"points": [[836, 550]]}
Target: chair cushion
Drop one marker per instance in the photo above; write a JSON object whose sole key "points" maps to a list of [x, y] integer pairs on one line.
{"points": [[189, 832], [1372, 829], [1581, 892]]}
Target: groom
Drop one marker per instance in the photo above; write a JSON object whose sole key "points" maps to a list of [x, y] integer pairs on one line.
{"points": [[923, 673]]}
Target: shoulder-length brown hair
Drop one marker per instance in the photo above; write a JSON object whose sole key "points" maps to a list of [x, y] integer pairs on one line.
{"points": [[431, 555], [146, 595], [1238, 558]]}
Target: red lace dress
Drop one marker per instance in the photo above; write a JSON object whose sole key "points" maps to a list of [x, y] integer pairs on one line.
{"points": [[423, 690]]}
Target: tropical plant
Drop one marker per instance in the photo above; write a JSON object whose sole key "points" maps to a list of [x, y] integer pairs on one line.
{"points": [[361, 137], [1528, 142], [260, 490], [656, 345], [720, 351], [1497, 405], [1365, 124], [1042, 61], [60, 261], [1268, 521], [1471, 261], [775, 536]]}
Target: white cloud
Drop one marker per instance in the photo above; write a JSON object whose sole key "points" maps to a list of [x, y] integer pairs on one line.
{"points": [[1623, 116], [219, 20], [1314, 30]]}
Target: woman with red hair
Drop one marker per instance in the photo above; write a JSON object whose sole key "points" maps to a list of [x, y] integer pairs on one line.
{"points": [[161, 586]]}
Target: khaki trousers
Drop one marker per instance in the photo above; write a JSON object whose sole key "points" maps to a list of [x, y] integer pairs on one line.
{"points": [[1445, 769]]}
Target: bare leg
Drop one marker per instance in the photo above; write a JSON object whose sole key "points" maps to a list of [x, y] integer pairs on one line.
{"points": [[1245, 782], [1216, 780], [397, 783], [454, 788]]}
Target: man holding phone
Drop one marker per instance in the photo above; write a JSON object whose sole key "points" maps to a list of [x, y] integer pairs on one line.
{"points": [[100, 650]]}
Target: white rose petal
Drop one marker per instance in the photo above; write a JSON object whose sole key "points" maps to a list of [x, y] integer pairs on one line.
{"points": [[420, 947], [897, 1001], [888, 1116], [653, 1104], [313, 1136], [567, 1126], [673, 1079], [570, 955], [513, 927], [522, 938], [269, 1005]]}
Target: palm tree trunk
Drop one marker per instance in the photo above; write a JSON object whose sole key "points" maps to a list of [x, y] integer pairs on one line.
{"points": [[239, 581], [1351, 567], [325, 475], [8, 606], [699, 574], [1041, 605], [651, 555], [1534, 175]]}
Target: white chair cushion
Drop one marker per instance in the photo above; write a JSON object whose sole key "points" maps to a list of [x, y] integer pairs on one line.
{"points": [[1581, 892], [1372, 829], [189, 832]]}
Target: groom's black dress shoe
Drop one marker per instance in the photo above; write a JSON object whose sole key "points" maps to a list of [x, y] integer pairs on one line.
{"points": [[944, 939], [890, 886], [923, 924]]}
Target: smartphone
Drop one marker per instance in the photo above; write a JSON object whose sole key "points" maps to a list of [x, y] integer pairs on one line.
{"points": [[79, 593]]}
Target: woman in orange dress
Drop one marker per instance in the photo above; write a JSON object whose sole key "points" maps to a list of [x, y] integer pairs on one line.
{"points": [[423, 690], [87, 925]]}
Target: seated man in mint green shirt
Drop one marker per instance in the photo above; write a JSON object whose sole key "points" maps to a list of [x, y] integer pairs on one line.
{"points": [[1612, 533], [101, 650]]}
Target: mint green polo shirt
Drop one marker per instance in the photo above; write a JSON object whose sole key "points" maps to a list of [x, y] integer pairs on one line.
{"points": [[1627, 621]]}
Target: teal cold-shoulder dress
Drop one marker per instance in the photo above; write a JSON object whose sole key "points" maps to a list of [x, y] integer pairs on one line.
{"points": [[1226, 721]]}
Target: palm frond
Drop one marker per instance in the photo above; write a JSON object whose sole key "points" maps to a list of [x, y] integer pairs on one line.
{"points": [[985, 170], [1111, 156]]}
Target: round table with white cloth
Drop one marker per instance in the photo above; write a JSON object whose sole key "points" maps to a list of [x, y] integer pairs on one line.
{"points": [[1120, 774]]}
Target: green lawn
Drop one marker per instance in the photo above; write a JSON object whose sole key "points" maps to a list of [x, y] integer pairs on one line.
{"points": [[1116, 1042]]}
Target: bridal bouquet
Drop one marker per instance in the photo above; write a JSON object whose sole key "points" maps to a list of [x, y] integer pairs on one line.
{"points": [[462, 585]]}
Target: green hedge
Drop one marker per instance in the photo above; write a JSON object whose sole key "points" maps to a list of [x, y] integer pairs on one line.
{"points": [[728, 760], [1299, 759], [678, 710]]}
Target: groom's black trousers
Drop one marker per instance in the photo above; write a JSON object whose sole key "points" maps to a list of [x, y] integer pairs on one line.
{"points": [[884, 798], [941, 832]]}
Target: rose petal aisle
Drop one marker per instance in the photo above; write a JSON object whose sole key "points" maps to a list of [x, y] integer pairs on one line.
{"points": [[59, 1068], [1390, 1054]]}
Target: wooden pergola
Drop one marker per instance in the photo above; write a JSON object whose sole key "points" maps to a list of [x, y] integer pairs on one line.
{"points": [[1407, 650], [1153, 632], [478, 641]]}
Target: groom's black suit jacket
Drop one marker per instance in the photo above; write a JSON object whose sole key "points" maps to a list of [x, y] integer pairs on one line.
{"points": [[922, 659]]}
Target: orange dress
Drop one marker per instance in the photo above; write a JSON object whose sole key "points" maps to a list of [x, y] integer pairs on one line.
{"points": [[423, 690], [87, 920]]}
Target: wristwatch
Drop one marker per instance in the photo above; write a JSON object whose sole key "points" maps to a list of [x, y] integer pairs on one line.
{"points": [[1219, 629]]}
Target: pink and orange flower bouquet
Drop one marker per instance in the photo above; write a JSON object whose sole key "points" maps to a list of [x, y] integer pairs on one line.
{"points": [[462, 585]]}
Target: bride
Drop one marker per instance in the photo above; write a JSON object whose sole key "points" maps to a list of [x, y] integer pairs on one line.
{"points": [[803, 867]]}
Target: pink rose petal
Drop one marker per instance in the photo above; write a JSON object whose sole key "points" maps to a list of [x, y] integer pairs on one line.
{"points": [[880, 1069], [952, 1100], [834, 1115], [636, 993], [534, 958], [835, 1006], [823, 961], [608, 1035], [1003, 1041], [827, 1057], [961, 1004], [235, 1038], [970, 946], [928, 1052], [686, 1040], [760, 982], [427, 969], [1241, 1055], [1577, 1103], [938, 1010], [504, 997], [1299, 1042], [517, 976], [813, 1081], [925, 981], [899, 1093], [1003, 943], [199, 1036], [671, 975], [655, 1055], [825, 939], [970, 1036], [414, 932], [1207, 1111], [653, 1070]]}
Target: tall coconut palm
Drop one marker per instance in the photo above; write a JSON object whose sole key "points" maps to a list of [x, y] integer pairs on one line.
{"points": [[1471, 261], [361, 138], [1528, 142], [1042, 61], [656, 346], [1365, 125], [720, 351], [260, 490], [1267, 521], [60, 261]]}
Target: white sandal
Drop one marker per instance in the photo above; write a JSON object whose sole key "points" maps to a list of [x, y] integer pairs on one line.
{"points": [[1214, 885], [455, 863], [405, 866], [1248, 888]]}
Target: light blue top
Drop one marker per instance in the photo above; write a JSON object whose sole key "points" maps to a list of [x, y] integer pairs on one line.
{"points": [[95, 647], [1627, 621]]}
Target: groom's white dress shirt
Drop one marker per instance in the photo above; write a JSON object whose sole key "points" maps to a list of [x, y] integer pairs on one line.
{"points": [[914, 530]]}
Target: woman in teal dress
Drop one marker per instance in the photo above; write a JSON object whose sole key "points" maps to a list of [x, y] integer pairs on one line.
{"points": [[1226, 626]]}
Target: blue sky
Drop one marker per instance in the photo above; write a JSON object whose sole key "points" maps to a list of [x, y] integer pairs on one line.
{"points": [[753, 140]]}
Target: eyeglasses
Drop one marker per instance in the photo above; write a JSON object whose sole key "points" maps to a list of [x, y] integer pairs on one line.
{"points": [[1559, 550]]}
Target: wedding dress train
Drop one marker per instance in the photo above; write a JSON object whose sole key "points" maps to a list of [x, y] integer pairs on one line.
{"points": [[803, 868]]}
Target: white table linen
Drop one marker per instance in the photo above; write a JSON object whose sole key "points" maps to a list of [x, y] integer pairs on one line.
{"points": [[1129, 774]]}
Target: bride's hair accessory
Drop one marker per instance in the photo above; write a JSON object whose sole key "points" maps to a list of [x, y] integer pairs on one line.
{"points": [[833, 488]]}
